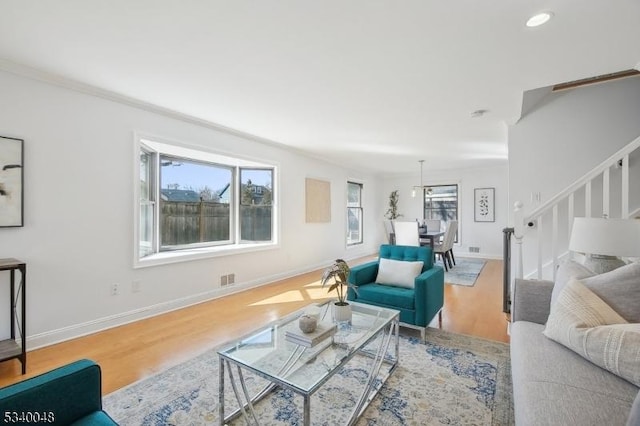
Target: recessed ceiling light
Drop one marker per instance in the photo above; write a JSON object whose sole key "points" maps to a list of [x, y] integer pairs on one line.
{"points": [[539, 19]]}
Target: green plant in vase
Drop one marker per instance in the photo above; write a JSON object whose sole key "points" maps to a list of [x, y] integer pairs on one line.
{"points": [[337, 276], [392, 211]]}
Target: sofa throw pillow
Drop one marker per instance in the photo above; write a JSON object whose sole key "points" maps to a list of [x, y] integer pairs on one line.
{"points": [[584, 323], [619, 289], [398, 273], [566, 271]]}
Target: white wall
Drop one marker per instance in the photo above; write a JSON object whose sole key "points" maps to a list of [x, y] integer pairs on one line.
{"points": [[568, 134], [563, 138], [486, 235], [78, 233]]}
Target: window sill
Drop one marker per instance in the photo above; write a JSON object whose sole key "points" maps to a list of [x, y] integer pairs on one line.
{"points": [[167, 257]]}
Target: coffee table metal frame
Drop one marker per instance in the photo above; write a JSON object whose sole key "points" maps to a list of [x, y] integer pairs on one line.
{"points": [[385, 328]]}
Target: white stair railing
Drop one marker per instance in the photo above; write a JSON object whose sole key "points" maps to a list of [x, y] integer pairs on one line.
{"points": [[548, 227]]}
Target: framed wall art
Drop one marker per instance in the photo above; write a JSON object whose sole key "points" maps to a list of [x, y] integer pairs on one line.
{"points": [[484, 205], [11, 182], [318, 201]]}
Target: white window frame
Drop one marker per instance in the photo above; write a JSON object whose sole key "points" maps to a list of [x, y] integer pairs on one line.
{"points": [[458, 204], [159, 145], [355, 182]]}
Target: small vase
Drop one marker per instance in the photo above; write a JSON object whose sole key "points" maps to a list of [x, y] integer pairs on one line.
{"points": [[307, 323], [341, 313]]}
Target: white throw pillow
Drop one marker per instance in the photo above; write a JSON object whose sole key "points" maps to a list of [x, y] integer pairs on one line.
{"points": [[584, 323], [398, 273]]}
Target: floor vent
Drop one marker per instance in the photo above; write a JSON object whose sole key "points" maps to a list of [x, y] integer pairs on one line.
{"points": [[474, 249]]}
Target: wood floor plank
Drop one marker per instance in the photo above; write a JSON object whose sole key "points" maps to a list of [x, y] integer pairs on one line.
{"points": [[131, 352]]}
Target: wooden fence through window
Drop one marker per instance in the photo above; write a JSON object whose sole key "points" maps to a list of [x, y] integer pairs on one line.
{"points": [[195, 222]]}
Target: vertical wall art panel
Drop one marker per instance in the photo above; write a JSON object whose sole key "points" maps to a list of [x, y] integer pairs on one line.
{"points": [[318, 201], [11, 182], [485, 205]]}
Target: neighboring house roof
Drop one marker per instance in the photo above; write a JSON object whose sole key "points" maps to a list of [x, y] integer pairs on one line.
{"points": [[183, 195], [258, 192]]}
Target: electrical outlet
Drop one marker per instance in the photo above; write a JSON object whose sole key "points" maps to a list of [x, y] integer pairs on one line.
{"points": [[115, 289], [231, 279], [136, 286]]}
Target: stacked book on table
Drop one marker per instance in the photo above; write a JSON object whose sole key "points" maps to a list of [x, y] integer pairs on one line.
{"points": [[309, 340]]}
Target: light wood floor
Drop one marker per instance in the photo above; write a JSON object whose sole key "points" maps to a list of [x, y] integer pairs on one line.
{"points": [[134, 351]]}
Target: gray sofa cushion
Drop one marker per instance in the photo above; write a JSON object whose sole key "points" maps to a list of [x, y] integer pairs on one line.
{"points": [[634, 416], [619, 288], [567, 270], [553, 385]]}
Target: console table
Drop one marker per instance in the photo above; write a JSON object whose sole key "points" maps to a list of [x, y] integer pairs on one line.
{"points": [[10, 349]]}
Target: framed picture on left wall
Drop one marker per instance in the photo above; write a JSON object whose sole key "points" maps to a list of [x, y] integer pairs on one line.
{"points": [[11, 182]]}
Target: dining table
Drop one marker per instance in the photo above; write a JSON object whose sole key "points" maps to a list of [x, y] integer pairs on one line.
{"points": [[431, 235]]}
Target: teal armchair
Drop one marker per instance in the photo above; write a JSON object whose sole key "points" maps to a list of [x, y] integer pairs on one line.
{"points": [[419, 305], [69, 395]]}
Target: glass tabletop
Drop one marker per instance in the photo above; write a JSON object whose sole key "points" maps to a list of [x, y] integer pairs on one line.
{"points": [[269, 352]]}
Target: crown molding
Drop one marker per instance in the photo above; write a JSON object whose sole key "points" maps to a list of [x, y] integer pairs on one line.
{"points": [[71, 84]]}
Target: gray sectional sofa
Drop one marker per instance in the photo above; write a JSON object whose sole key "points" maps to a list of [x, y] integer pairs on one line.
{"points": [[553, 385]]}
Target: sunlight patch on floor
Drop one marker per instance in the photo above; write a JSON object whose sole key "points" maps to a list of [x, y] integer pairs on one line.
{"points": [[286, 297], [311, 292]]}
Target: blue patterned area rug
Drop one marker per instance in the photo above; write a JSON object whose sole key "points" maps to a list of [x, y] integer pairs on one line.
{"points": [[453, 380], [465, 272]]}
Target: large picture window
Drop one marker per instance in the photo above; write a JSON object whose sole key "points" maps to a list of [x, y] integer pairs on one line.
{"points": [[193, 200], [354, 213], [192, 212]]}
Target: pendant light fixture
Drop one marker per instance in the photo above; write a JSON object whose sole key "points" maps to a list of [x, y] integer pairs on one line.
{"points": [[421, 187]]}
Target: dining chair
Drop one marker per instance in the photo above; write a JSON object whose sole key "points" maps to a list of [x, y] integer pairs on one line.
{"points": [[406, 233], [433, 224], [445, 248]]}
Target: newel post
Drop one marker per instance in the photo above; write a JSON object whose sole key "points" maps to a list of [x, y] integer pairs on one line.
{"points": [[518, 233]]}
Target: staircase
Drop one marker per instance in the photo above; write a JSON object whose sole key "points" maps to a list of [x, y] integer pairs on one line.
{"points": [[612, 189]]}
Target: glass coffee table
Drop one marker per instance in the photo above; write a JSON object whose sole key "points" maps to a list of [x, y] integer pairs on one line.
{"points": [[271, 355]]}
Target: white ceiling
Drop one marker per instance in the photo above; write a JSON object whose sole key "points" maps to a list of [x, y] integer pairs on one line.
{"points": [[371, 84]]}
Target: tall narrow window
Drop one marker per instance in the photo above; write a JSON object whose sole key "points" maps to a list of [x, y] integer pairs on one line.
{"points": [[441, 202], [147, 204], [354, 213], [256, 200]]}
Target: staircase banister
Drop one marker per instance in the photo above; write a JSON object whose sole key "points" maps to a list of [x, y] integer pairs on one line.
{"points": [[539, 211]]}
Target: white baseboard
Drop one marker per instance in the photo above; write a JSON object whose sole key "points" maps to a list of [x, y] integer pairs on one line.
{"points": [[478, 255], [52, 337]]}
